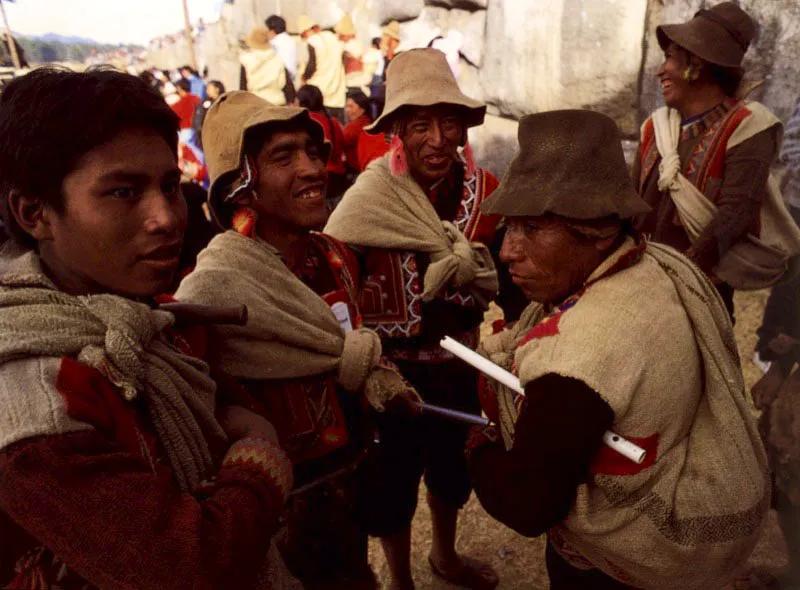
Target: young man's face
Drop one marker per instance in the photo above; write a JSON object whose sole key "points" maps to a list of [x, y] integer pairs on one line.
{"points": [[291, 184], [123, 221]]}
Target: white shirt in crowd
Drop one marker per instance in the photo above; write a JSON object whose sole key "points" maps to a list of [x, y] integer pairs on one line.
{"points": [[286, 48]]}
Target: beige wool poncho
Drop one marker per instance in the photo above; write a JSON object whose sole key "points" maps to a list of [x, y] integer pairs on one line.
{"points": [[123, 340], [654, 340], [392, 212], [291, 332]]}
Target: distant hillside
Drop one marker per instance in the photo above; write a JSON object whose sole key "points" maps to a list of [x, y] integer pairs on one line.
{"points": [[53, 47], [55, 37]]}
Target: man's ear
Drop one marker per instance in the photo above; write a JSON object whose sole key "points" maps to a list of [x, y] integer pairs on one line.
{"points": [[31, 215]]}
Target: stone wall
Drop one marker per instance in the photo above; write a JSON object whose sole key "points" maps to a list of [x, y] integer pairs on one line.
{"points": [[526, 56]]}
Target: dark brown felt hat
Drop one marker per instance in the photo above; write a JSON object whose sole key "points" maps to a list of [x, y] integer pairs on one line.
{"points": [[571, 164], [423, 78], [227, 123], [719, 35]]}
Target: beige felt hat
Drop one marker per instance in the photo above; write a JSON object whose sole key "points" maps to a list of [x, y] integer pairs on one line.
{"points": [[345, 26], [719, 35], [423, 78], [258, 38], [304, 23], [227, 123], [571, 164], [392, 30]]}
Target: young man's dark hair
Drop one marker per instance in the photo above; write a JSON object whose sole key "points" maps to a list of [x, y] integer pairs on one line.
{"points": [[276, 24], [376, 42], [51, 117], [184, 84]]}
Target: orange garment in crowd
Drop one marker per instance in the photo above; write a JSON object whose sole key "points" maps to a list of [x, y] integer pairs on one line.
{"points": [[334, 134], [371, 147], [184, 108], [352, 133]]}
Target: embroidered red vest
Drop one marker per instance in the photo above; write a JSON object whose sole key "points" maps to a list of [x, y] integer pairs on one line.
{"points": [[705, 166], [391, 289]]}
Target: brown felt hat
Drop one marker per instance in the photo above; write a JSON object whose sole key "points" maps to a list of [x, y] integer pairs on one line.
{"points": [[392, 30], [719, 35], [423, 78], [258, 38], [345, 26], [570, 164], [232, 116]]}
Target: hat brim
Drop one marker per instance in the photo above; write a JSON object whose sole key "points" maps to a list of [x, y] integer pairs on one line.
{"points": [[708, 41], [473, 111], [262, 121]]}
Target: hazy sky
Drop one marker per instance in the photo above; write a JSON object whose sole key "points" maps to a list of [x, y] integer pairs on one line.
{"points": [[108, 21]]}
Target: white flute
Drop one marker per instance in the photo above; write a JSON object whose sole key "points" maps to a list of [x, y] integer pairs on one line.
{"points": [[624, 447]]}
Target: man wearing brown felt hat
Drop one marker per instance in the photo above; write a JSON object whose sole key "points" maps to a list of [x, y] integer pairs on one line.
{"points": [[414, 216], [621, 336], [705, 157]]}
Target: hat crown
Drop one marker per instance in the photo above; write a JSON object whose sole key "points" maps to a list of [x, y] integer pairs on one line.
{"points": [[423, 78], [735, 20], [719, 35], [258, 38], [304, 23], [571, 164], [345, 26], [392, 30]]}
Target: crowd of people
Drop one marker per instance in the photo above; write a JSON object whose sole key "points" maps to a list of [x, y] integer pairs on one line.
{"points": [[220, 359]]}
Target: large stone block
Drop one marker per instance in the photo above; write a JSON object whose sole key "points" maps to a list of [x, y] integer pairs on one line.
{"points": [[543, 55], [471, 5], [400, 10], [494, 144]]}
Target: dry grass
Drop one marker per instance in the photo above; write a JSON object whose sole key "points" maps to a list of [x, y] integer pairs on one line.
{"points": [[520, 561]]}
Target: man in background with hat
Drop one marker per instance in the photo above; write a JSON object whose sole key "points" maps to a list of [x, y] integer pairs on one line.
{"points": [[325, 68], [263, 72], [303, 357], [352, 57], [621, 335], [413, 217], [705, 158]]}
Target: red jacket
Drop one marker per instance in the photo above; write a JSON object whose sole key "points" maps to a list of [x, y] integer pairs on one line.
{"points": [[334, 134], [184, 108], [352, 132], [371, 147]]}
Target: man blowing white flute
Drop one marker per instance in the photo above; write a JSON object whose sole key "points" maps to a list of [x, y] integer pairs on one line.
{"points": [[624, 335]]}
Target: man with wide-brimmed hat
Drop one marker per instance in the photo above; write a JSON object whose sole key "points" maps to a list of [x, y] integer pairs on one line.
{"points": [[263, 72], [621, 335], [414, 217], [705, 157], [325, 68], [356, 75], [303, 357]]}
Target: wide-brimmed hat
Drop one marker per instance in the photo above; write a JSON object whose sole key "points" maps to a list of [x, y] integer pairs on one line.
{"points": [[719, 35], [392, 30], [258, 38], [423, 78], [229, 120], [304, 23], [570, 164], [345, 26]]}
